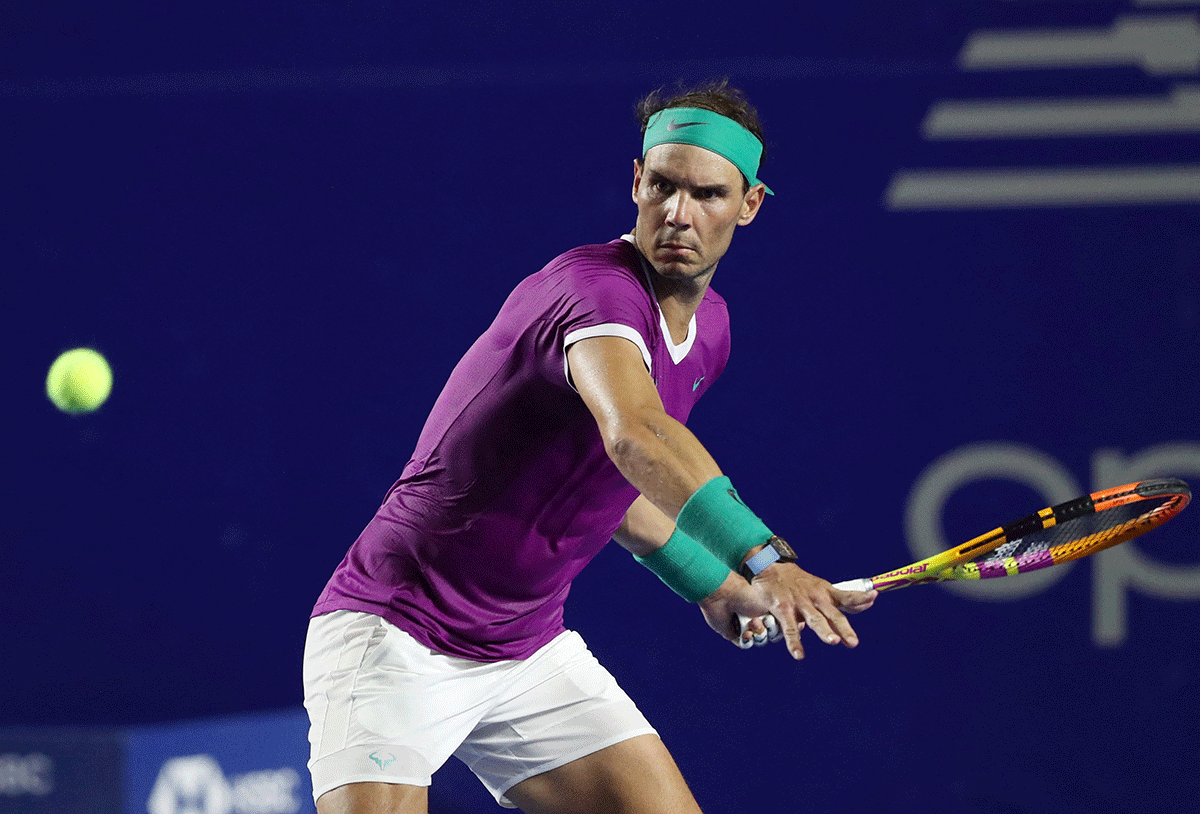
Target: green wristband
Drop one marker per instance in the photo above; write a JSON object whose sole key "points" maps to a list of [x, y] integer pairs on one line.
{"points": [[687, 567], [716, 517]]}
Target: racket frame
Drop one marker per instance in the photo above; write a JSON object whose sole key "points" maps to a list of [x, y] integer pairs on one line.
{"points": [[947, 564]]}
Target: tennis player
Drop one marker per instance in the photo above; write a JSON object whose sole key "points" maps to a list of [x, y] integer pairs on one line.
{"points": [[441, 632]]}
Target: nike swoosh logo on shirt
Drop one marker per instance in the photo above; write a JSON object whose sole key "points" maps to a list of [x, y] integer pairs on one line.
{"points": [[696, 383]]}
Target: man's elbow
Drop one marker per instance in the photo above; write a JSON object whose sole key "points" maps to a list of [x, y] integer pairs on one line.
{"points": [[629, 444], [621, 448]]}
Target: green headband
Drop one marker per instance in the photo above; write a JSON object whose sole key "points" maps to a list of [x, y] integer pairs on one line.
{"points": [[712, 131]]}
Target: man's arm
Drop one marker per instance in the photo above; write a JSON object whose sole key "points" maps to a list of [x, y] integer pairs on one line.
{"points": [[645, 529], [656, 453], [667, 464]]}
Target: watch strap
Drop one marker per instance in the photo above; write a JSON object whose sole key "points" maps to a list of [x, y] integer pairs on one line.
{"points": [[754, 566], [776, 550]]}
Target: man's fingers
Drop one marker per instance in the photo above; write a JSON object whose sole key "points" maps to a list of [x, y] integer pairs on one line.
{"points": [[838, 629], [791, 637], [799, 600], [754, 631], [856, 601], [761, 637], [820, 624], [827, 623]]}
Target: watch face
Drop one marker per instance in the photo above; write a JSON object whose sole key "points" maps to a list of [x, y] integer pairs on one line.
{"points": [[785, 550]]}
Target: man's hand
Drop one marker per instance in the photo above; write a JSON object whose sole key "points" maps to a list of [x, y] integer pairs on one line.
{"points": [[720, 613], [796, 598]]}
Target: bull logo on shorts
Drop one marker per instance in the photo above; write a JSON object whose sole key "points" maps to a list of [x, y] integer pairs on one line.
{"points": [[384, 760]]}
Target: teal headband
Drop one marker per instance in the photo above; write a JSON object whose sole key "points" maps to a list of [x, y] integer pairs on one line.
{"points": [[712, 131]]}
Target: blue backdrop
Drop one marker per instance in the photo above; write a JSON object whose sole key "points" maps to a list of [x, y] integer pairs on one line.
{"points": [[973, 294]]}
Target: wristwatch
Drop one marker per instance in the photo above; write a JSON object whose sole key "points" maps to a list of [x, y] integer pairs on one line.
{"points": [[776, 550]]}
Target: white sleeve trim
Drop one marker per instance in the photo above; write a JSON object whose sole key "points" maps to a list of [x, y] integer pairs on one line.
{"points": [[607, 329]]}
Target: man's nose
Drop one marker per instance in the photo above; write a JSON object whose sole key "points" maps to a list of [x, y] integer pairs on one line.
{"points": [[679, 210]]}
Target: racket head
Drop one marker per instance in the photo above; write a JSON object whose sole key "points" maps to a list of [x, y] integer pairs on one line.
{"points": [[1058, 534]]}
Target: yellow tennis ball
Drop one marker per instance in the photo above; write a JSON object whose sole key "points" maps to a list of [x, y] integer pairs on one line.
{"points": [[79, 381]]}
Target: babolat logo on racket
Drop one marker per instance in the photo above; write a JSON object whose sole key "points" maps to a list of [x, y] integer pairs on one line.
{"points": [[917, 568]]}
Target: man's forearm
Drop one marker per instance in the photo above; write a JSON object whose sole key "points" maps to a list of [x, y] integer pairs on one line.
{"points": [[662, 459]]}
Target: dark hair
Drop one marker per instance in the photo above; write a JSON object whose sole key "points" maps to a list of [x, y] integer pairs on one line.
{"points": [[716, 95]]}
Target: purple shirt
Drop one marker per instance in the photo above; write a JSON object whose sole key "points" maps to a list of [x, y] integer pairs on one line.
{"points": [[509, 493]]}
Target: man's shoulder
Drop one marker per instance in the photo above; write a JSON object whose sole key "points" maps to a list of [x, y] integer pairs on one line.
{"points": [[591, 269], [603, 277], [714, 312], [714, 300], [616, 255]]}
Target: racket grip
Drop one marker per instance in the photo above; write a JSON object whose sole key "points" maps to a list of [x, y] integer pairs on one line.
{"points": [[743, 622], [854, 585], [774, 632]]}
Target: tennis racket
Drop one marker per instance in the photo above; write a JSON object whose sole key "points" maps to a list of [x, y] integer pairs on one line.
{"points": [[1058, 534]]}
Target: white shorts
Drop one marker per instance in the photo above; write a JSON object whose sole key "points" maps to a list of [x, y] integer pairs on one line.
{"points": [[385, 708]]}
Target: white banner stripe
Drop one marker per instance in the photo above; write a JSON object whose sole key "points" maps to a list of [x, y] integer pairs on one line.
{"points": [[1026, 118], [1031, 188]]}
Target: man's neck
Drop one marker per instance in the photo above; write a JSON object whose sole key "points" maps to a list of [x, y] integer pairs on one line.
{"points": [[678, 299]]}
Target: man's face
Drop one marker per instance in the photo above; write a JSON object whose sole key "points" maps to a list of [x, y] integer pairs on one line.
{"points": [[689, 202]]}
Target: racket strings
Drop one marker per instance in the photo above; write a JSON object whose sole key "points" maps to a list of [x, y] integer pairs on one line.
{"points": [[1144, 516], [1072, 539]]}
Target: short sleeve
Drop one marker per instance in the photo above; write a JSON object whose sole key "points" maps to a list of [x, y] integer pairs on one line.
{"points": [[598, 294]]}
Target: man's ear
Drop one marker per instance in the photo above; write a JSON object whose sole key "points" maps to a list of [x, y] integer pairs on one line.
{"points": [[751, 202]]}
